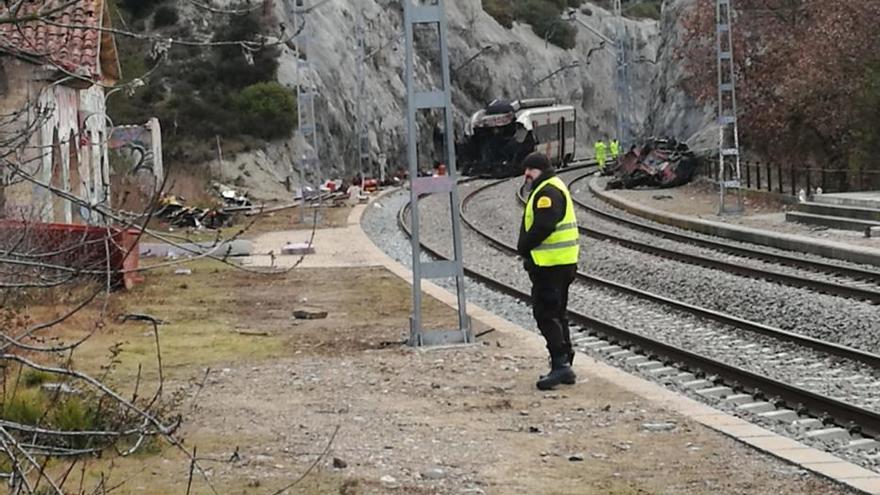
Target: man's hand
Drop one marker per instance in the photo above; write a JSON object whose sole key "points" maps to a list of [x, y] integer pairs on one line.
{"points": [[528, 264]]}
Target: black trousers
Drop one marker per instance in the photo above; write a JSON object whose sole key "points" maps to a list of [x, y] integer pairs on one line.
{"points": [[549, 304]]}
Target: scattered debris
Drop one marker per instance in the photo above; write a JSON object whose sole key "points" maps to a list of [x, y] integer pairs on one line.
{"points": [[658, 163], [658, 427], [298, 248], [309, 314], [253, 333], [434, 473], [173, 210], [231, 198], [388, 480], [61, 388], [183, 271], [339, 463], [576, 457]]}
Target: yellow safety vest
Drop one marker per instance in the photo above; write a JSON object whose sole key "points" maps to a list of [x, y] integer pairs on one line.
{"points": [[562, 246]]}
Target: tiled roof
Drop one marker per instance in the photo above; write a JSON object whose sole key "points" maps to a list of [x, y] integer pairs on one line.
{"points": [[75, 49]]}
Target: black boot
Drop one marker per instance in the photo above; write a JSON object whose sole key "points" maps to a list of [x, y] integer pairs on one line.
{"points": [[560, 372], [568, 379]]}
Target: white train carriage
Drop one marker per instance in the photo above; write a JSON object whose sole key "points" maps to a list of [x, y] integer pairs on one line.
{"points": [[553, 130], [500, 136]]}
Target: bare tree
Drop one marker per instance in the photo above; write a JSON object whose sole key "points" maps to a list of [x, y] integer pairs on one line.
{"points": [[54, 280]]}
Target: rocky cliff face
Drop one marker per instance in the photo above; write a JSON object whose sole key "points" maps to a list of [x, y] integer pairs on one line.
{"points": [[491, 62], [671, 111]]}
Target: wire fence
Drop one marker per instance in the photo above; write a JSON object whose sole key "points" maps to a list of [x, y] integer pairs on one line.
{"points": [[776, 178]]}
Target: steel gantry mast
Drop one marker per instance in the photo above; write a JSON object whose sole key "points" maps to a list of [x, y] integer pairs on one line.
{"points": [[306, 94], [620, 79], [416, 14], [729, 172], [362, 146]]}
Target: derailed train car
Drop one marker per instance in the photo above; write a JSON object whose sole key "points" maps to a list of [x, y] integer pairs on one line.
{"points": [[656, 163], [500, 136]]}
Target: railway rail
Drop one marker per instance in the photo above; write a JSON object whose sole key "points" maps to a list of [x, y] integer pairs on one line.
{"points": [[797, 397], [862, 284]]}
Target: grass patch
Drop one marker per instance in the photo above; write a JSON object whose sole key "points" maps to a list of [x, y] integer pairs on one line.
{"points": [[35, 378], [24, 406]]}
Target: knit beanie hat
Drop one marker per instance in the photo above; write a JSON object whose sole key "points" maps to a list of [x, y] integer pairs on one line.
{"points": [[536, 160]]}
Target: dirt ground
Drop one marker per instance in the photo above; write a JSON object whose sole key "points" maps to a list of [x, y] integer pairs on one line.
{"points": [[700, 199], [276, 390]]}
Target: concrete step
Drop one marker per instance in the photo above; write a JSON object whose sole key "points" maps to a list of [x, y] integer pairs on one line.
{"points": [[851, 212], [866, 199], [830, 222]]}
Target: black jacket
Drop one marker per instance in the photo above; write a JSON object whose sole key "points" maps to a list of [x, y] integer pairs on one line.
{"points": [[545, 218]]}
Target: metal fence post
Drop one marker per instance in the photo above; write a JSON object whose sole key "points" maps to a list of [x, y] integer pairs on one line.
{"points": [[779, 176]]}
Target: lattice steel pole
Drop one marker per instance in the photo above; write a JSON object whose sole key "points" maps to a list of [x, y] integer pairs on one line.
{"points": [[729, 172], [432, 15], [362, 147], [306, 93], [620, 79]]}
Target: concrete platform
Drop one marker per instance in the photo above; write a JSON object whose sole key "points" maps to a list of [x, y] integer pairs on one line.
{"points": [[832, 222], [760, 236], [833, 210], [816, 461], [865, 199]]}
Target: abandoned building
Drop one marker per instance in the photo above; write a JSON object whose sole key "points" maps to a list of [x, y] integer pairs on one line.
{"points": [[53, 126]]}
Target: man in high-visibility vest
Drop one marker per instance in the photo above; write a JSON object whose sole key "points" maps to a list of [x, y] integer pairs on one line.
{"points": [[600, 149], [548, 243], [615, 149]]}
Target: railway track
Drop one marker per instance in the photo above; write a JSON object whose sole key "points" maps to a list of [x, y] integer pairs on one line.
{"points": [[621, 341], [860, 284]]}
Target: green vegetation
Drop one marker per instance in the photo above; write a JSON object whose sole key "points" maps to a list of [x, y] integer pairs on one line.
{"points": [[34, 378], [26, 406], [649, 9], [545, 17], [866, 128], [199, 92], [267, 109], [166, 15]]}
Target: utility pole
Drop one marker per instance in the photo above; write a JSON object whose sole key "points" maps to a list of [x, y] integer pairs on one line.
{"points": [[418, 99], [620, 81], [729, 172], [616, 47], [362, 147], [306, 93]]}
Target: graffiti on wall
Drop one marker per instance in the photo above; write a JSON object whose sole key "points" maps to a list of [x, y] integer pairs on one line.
{"points": [[137, 150]]}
